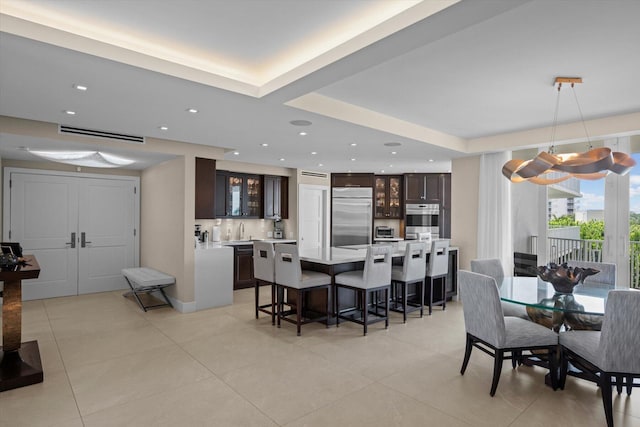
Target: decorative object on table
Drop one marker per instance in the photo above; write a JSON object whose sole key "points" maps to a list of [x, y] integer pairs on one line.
{"points": [[564, 278], [596, 163]]}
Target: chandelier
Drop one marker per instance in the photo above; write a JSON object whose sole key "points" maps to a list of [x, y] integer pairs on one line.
{"points": [[596, 163]]}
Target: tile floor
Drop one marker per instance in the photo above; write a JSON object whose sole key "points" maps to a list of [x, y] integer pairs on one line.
{"points": [[107, 363]]}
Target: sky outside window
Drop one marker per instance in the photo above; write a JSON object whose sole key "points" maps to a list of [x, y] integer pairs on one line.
{"points": [[593, 191]]}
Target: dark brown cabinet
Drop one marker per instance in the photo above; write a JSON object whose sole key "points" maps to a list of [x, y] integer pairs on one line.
{"points": [[352, 180], [238, 195], [388, 197], [422, 188], [205, 188], [243, 267], [276, 197]]}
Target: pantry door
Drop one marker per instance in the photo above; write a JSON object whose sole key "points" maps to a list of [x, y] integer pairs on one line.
{"points": [[82, 230]]}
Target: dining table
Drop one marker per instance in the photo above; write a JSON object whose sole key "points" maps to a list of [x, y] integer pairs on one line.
{"points": [[582, 309]]}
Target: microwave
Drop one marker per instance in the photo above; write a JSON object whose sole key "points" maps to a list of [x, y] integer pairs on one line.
{"points": [[383, 232]]}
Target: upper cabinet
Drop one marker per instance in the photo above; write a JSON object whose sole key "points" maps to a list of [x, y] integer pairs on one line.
{"points": [[205, 188], [238, 195], [388, 197], [276, 197], [423, 188], [352, 180]]}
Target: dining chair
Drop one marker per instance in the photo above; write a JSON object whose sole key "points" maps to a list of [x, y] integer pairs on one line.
{"points": [[609, 356], [493, 267], [375, 277], [437, 270], [265, 274], [412, 271], [501, 337], [291, 277]]}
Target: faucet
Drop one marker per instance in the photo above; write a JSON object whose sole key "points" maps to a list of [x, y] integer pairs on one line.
{"points": [[241, 230]]}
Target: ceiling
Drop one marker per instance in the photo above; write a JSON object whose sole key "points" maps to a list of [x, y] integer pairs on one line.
{"points": [[443, 79]]}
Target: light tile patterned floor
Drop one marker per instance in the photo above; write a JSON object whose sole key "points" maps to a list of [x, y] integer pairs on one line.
{"points": [[107, 363]]}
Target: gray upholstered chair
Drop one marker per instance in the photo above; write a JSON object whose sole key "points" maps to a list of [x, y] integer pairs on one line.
{"points": [[375, 277], [606, 278], [493, 267], [611, 355], [265, 275], [291, 277], [438, 269], [412, 271], [490, 331]]}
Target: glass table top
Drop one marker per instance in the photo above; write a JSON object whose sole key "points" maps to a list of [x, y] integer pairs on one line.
{"points": [[535, 293]]}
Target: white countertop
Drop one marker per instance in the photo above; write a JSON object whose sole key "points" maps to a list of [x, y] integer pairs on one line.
{"points": [[345, 254], [228, 243]]}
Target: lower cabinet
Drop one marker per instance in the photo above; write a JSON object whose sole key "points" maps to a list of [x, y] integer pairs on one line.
{"points": [[243, 267]]}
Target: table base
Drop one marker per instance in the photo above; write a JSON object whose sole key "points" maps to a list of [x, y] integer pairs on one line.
{"points": [[21, 367]]}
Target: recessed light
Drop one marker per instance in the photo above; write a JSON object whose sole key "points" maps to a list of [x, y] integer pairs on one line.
{"points": [[394, 152], [392, 144], [314, 152], [381, 170], [431, 160], [302, 133], [353, 144], [163, 128], [320, 164], [82, 88], [192, 110], [300, 122], [69, 112], [353, 160], [264, 144], [236, 153], [390, 166], [282, 159]]}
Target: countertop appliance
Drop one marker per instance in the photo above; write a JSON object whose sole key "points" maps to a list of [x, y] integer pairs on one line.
{"points": [[422, 218], [384, 232], [351, 216]]}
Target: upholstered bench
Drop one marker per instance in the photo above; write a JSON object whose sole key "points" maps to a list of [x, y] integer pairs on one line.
{"points": [[145, 281]]}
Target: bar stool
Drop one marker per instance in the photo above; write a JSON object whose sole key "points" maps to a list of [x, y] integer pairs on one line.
{"points": [[412, 271], [290, 276], [375, 277], [438, 269], [265, 275]]}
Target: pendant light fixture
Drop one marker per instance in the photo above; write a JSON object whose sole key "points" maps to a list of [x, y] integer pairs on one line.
{"points": [[596, 163]]}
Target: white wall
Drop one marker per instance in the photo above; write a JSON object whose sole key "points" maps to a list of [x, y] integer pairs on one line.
{"points": [[524, 210]]}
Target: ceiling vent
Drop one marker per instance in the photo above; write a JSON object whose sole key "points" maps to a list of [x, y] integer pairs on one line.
{"points": [[133, 139], [315, 174]]}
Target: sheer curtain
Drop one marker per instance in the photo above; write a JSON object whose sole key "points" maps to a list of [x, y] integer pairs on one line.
{"points": [[494, 211]]}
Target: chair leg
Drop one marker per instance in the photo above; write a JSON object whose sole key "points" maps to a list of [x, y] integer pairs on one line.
{"points": [[430, 295], [298, 310], [404, 301], [328, 306], [444, 291], [564, 367], [279, 292], [365, 310], [273, 304], [257, 292], [421, 295], [619, 383], [386, 308], [497, 369], [605, 389], [467, 354], [629, 384], [553, 366], [336, 304]]}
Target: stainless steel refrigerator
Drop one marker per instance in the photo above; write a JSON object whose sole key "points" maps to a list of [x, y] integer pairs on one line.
{"points": [[352, 216]]}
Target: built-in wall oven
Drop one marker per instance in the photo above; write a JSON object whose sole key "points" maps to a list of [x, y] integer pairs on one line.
{"points": [[422, 218]]}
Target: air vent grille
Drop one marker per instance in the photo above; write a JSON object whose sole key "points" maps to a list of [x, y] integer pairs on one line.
{"points": [[134, 139], [315, 174]]}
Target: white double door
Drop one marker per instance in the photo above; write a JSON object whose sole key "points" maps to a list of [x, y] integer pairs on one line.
{"points": [[82, 230]]}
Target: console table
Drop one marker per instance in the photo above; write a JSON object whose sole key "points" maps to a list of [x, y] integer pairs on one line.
{"points": [[19, 362]]}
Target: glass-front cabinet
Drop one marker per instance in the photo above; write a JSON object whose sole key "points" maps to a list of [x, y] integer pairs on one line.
{"points": [[238, 195], [388, 197]]}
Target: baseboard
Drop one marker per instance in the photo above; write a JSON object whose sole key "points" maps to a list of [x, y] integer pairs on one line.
{"points": [[183, 307]]}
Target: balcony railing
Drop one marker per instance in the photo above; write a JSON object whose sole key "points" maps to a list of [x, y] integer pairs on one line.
{"points": [[561, 250]]}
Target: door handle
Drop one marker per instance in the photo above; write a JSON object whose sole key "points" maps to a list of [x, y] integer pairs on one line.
{"points": [[83, 240], [72, 243]]}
